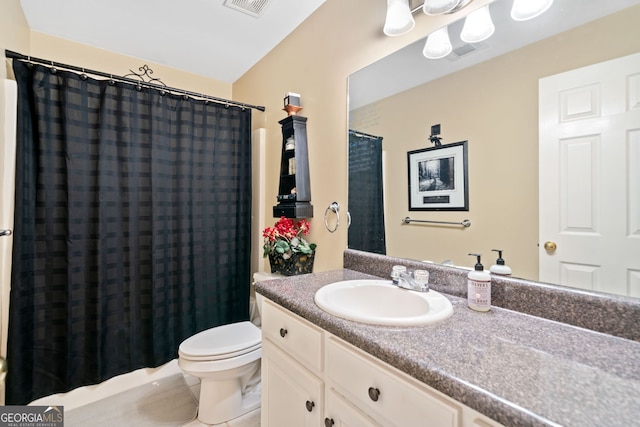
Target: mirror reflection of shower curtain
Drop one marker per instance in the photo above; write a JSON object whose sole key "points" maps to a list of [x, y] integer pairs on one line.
{"points": [[366, 195]]}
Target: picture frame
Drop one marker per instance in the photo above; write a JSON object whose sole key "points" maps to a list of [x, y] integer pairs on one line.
{"points": [[438, 178]]}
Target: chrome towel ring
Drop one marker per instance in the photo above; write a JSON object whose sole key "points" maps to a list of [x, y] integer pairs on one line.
{"points": [[335, 208]]}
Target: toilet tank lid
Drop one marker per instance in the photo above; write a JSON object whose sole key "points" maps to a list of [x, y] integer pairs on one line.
{"points": [[261, 276], [223, 339]]}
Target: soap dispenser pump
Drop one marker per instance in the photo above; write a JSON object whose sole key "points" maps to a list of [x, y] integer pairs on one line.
{"points": [[479, 287], [499, 267]]}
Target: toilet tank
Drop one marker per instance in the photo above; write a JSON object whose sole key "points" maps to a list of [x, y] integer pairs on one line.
{"points": [[256, 304]]}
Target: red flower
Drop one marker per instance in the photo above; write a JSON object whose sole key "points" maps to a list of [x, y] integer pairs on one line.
{"points": [[285, 237]]}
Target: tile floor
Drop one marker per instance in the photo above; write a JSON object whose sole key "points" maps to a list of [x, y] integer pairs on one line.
{"points": [[160, 397], [171, 401], [252, 419]]}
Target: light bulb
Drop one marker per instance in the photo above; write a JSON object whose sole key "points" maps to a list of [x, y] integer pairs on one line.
{"points": [[399, 19], [477, 26], [524, 10], [438, 7], [438, 44]]}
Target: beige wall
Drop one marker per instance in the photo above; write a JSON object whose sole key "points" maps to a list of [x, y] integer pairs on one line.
{"points": [[338, 39], [315, 60], [494, 106], [68, 52], [342, 37], [14, 31]]}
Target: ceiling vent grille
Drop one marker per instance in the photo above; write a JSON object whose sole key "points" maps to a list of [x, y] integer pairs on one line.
{"points": [[250, 7], [465, 49]]}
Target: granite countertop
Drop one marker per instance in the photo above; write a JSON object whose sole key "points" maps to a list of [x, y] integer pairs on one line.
{"points": [[517, 369]]}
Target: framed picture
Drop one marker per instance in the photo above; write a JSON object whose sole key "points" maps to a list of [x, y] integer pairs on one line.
{"points": [[438, 178]]}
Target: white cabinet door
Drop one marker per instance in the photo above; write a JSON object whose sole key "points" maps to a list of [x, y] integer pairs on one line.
{"points": [[340, 413], [291, 395]]}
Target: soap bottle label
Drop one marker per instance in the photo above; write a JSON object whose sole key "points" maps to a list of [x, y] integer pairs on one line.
{"points": [[479, 295]]}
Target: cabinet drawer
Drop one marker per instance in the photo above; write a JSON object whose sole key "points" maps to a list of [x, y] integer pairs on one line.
{"points": [[340, 413], [399, 402], [297, 337]]}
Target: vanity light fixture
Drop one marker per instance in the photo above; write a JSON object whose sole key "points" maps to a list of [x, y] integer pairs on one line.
{"points": [[438, 44], [399, 19], [523, 10], [478, 25], [438, 7]]}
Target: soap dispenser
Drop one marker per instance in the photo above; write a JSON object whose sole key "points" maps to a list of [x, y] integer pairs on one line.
{"points": [[479, 287], [499, 267]]}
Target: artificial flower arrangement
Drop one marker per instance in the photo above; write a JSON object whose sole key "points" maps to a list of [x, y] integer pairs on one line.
{"points": [[286, 238]]}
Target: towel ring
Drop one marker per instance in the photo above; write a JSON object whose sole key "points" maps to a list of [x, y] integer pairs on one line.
{"points": [[335, 208]]}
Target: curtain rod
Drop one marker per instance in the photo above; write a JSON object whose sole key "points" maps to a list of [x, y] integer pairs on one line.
{"points": [[366, 135], [14, 55]]}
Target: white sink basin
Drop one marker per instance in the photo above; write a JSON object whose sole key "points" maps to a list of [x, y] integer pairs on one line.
{"points": [[380, 302]]}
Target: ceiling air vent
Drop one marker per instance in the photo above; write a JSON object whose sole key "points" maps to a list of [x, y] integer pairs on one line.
{"points": [[464, 50], [250, 7]]}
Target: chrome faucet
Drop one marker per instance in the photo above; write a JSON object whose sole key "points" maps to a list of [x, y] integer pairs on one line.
{"points": [[416, 281]]}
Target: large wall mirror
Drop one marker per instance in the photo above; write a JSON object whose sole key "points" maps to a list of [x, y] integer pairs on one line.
{"points": [[486, 94]]}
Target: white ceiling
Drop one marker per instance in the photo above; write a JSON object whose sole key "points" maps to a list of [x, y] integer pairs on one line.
{"points": [[200, 36], [408, 68], [207, 38]]}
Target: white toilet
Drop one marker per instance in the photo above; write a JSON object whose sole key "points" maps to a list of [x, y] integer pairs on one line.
{"points": [[226, 359]]}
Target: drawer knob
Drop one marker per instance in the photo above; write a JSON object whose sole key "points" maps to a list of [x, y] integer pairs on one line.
{"points": [[328, 422], [283, 332], [310, 405], [374, 394]]}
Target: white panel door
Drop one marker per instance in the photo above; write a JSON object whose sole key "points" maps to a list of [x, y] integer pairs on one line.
{"points": [[589, 178]]}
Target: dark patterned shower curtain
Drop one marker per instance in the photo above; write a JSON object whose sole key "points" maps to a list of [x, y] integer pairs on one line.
{"points": [[132, 228], [366, 195]]}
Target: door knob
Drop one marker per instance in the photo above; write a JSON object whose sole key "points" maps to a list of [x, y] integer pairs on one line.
{"points": [[550, 246]]}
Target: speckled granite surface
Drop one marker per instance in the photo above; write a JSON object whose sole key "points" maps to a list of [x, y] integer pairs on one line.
{"points": [[611, 314], [518, 369]]}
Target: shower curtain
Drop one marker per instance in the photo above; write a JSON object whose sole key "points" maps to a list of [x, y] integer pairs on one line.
{"points": [[366, 196], [132, 228]]}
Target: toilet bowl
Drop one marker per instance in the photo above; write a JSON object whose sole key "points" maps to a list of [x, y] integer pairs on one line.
{"points": [[226, 359]]}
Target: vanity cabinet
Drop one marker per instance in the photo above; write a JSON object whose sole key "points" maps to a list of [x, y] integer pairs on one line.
{"points": [[385, 395], [311, 377], [292, 360], [342, 413], [291, 395]]}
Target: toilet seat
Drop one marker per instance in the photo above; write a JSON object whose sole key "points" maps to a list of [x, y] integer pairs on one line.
{"points": [[221, 342]]}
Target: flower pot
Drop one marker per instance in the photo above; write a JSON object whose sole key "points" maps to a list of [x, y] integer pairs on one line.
{"points": [[298, 263]]}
